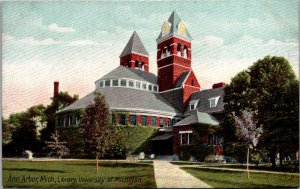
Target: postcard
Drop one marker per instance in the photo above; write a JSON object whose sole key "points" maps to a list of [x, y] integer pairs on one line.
{"points": [[150, 94]]}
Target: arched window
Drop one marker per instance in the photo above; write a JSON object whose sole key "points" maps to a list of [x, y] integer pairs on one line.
{"points": [[185, 52], [168, 51], [179, 49], [136, 64], [143, 66]]}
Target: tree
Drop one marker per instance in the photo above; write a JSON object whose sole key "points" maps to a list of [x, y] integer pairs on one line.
{"points": [[56, 147], [248, 132], [96, 125], [62, 100], [269, 90]]}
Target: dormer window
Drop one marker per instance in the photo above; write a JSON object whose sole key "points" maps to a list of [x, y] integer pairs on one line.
{"points": [[193, 104], [213, 102], [115, 82], [107, 83], [123, 82], [101, 84]]}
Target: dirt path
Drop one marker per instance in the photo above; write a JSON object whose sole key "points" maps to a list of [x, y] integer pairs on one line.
{"points": [[168, 175]]}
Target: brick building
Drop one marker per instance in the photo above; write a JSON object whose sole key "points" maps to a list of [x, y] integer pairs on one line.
{"points": [[171, 101]]}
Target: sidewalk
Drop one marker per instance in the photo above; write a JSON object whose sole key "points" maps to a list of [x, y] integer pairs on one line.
{"points": [[168, 175], [233, 169]]}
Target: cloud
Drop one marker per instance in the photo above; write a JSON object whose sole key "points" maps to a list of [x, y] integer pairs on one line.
{"points": [[212, 41], [33, 42], [7, 37], [83, 43], [55, 27]]}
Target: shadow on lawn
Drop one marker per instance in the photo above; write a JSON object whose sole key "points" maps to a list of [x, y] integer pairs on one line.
{"points": [[33, 170], [112, 165]]}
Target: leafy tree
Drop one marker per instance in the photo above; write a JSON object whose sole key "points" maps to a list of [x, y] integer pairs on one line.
{"points": [[269, 89], [56, 147], [26, 136], [62, 100], [96, 125]]}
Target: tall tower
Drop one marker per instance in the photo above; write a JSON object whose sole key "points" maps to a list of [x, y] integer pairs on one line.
{"points": [[134, 55], [173, 52]]}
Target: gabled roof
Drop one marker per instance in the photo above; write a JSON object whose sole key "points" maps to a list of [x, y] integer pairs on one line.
{"points": [[182, 78], [174, 20], [131, 73], [204, 96], [134, 46], [198, 117], [123, 99]]}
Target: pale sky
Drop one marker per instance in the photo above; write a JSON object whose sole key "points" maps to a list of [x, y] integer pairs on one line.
{"points": [[77, 43]]}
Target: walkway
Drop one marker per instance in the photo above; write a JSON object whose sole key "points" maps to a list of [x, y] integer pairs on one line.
{"points": [[168, 175]]}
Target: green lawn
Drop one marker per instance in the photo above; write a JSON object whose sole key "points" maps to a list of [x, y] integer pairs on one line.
{"points": [[234, 179], [77, 174]]}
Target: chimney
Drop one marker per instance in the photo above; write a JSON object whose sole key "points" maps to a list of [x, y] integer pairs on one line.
{"points": [[218, 85], [56, 90]]}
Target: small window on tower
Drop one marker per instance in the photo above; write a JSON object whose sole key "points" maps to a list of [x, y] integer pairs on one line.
{"points": [[136, 64], [115, 82], [179, 49], [101, 84], [144, 86], [107, 83], [143, 66], [138, 85], [131, 83], [123, 82], [192, 82]]}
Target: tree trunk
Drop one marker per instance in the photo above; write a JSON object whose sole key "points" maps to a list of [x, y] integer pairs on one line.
{"points": [[280, 157], [97, 166], [248, 152], [273, 158]]}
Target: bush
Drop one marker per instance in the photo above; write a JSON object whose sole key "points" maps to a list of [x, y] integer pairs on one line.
{"points": [[137, 138], [185, 152]]}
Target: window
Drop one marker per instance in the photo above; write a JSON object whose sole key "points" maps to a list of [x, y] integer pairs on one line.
{"points": [[213, 140], [173, 122], [153, 121], [65, 122], [143, 66], [69, 120], [186, 137], [131, 83], [122, 120], [77, 120], [169, 122], [162, 122], [115, 82], [150, 87], [136, 64], [101, 84], [144, 85], [193, 104], [155, 88], [123, 82], [144, 120], [192, 82], [192, 107], [107, 83], [138, 85], [132, 119]]}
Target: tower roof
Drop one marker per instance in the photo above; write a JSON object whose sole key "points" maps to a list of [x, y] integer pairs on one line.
{"points": [[174, 21], [134, 45]]}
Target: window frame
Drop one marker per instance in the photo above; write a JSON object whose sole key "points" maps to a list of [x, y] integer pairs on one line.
{"points": [[130, 119], [146, 119], [122, 80], [113, 84]]}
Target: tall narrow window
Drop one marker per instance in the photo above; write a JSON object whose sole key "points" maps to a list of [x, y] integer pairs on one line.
{"points": [[179, 49], [77, 120], [144, 86], [137, 64], [122, 120], [144, 120], [143, 66], [169, 122], [149, 87], [192, 82], [162, 122], [153, 121], [155, 88], [132, 119]]}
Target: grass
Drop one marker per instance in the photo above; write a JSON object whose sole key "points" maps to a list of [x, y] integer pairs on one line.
{"points": [[71, 174], [233, 179]]}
